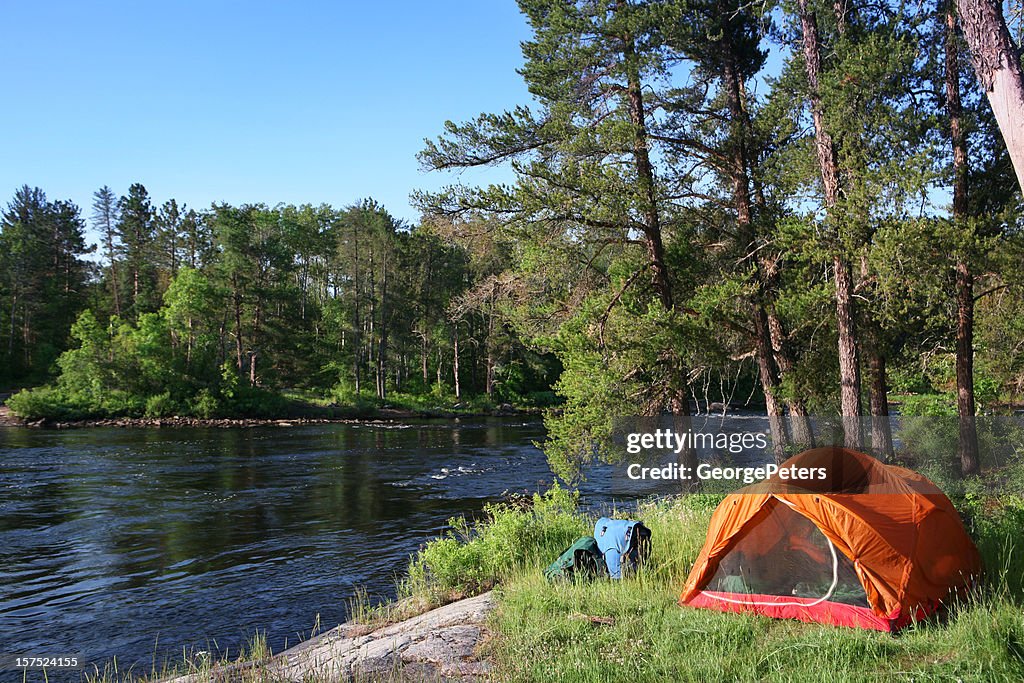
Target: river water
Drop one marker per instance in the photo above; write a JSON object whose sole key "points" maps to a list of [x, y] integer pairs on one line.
{"points": [[141, 543]]}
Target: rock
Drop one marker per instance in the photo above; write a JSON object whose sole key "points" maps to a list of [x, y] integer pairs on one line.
{"points": [[439, 645]]}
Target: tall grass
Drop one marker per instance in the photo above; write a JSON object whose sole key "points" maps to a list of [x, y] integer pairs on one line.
{"points": [[200, 665], [472, 556], [634, 630]]}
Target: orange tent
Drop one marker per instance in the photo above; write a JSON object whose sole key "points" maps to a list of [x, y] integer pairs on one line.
{"points": [[869, 545]]}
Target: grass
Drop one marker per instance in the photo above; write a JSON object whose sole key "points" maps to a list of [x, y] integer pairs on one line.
{"points": [[245, 666], [633, 630], [545, 631]]}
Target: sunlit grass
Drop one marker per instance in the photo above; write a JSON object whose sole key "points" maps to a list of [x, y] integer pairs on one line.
{"points": [[633, 629]]}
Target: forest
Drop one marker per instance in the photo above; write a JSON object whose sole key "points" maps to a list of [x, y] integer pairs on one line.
{"points": [[810, 208], [232, 310]]}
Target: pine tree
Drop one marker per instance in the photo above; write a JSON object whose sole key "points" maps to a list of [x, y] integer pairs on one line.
{"points": [[44, 279], [105, 219], [997, 62], [136, 233], [588, 181]]}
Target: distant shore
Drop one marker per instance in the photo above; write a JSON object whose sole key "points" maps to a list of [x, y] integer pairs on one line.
{"points": [[8, 419]]}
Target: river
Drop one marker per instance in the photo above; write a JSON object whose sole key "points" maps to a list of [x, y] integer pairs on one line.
{"points": [[142, 543]]}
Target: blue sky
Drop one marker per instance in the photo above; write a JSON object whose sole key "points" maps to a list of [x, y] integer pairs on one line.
{"points": [[246, 101]]}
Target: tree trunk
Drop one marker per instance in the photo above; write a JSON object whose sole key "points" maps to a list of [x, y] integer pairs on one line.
{"points": [[113, 268], [237, 298], [489, 375], [748, 243], [849, 368], [455, 366], [189, 343], [423, 355], [440, 370], [849, 365], [382, 351], [998, 66], [800, 424], [651, 228], [257, 322], [371, 333], [965, 407], [881, 434], [357, 330], [10, 337], [645, 175], [969, 463]]}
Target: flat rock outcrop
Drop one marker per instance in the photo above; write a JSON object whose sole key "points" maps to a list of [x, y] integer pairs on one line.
{"points": [[439, 645]]}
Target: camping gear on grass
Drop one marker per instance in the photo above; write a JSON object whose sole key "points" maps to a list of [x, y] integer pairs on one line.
{"points": [[623, 542], [582, 558], [871, 545]]}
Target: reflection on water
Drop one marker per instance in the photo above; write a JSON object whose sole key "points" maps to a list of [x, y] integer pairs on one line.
{"points": [[138, 542]]}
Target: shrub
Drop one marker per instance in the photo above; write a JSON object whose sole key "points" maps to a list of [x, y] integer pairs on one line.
{"points": [[928, 405], [473, 556], [205, 404], [161, 405], [45, 402], [248, 401]]}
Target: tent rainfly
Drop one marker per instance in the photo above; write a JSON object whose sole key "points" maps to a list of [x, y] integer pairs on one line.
{"points": [[872, 546]]}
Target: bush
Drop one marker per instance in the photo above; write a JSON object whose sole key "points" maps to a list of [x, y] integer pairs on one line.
{"points": [[473, 556], [204, 404], [345, 396], [161, 405], [248, 401], [928, 405], [47, 402]]}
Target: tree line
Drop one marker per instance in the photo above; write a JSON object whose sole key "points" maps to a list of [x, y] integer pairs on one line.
{"points": [[715, 191], [222, 311], [806, 205]]}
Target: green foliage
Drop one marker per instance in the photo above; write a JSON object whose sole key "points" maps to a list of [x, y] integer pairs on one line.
{"points": [[45, 402], [43, 282], [298, 297], [161, 405], [996, 523], [928, 405], [204, 404], [610, 630], [475, 555]]}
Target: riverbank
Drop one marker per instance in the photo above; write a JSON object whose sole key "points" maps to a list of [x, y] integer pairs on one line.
{"points": [[338, 415], [634, 629], [528, 629], [442, 644]]}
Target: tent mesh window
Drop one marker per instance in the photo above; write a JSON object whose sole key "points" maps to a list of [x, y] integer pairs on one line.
{"points": [[785, 554]]}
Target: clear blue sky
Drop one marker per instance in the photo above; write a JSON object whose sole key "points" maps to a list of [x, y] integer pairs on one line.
{"points": [[246, 101]]}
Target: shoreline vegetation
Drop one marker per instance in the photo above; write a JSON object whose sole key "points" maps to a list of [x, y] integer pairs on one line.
{"points": [[328, 415]]}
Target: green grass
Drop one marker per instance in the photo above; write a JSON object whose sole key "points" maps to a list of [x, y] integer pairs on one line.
{"points": [[634, 630], [245, 665]]}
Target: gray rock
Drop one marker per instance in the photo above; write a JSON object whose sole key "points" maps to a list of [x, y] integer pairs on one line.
{"points": [[439, 645]]}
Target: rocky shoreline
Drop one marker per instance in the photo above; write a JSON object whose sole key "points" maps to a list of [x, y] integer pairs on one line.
{"points": [[382, 415]]}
